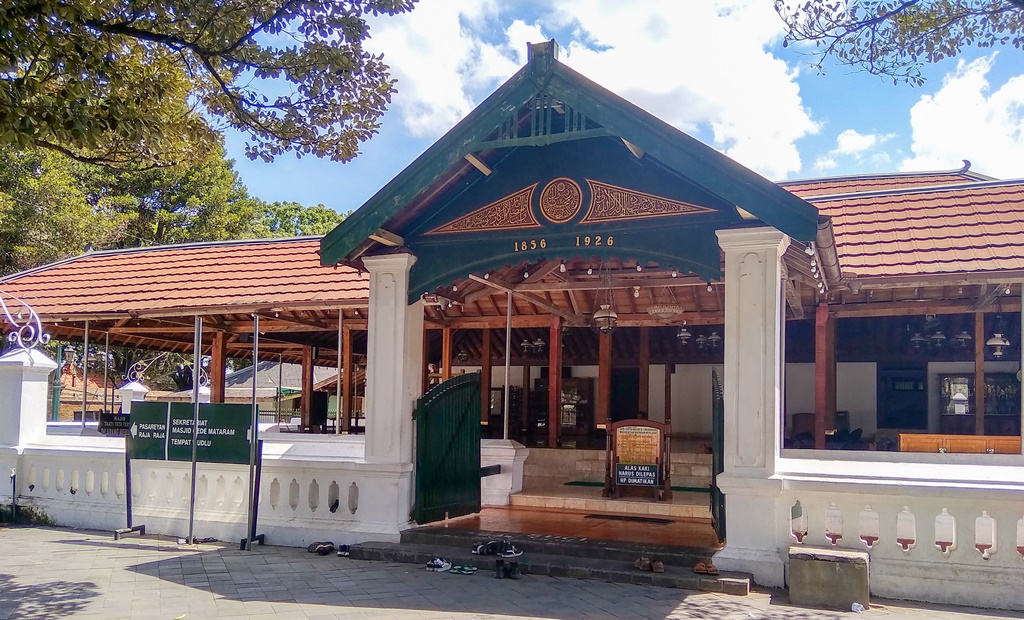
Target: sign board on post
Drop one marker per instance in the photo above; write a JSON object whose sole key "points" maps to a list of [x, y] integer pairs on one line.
{"points": [[163, 432], [637, 456], [114, 424]]}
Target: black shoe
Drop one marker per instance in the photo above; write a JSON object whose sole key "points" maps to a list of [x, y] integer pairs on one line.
{"points": [[324, 548], [499, 569], [508, 550], [513, 571], [343, 551], [488, 548], [315, 545]]}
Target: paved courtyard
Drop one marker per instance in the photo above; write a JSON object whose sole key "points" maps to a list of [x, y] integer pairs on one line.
{"points": [[59, 573]]}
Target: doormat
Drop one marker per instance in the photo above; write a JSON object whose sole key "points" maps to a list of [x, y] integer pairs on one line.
{"points": [[587, 483], [651, 520]]}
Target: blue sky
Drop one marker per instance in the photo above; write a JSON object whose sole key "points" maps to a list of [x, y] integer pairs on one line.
{"points": [[716, 70]]}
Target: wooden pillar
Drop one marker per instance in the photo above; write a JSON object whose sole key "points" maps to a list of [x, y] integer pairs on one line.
{"points": [[218, 364], [645, 372], [307, 386], [604, 380], [824, 373], [554, 381], [526, 419], [668, 396], [446, 353], [347, 379], [485, 375], [979, 373], [426, 361]]}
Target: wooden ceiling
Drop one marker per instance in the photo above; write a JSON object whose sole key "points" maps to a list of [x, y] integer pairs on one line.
{"points": [[572, 291]]}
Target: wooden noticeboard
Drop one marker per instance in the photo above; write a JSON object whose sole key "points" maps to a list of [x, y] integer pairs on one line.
{"points": [[638, 455]]}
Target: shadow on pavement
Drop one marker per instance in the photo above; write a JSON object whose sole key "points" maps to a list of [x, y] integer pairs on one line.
{"points": [[53, 599]]}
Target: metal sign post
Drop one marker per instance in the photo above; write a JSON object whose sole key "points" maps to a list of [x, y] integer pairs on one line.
{"points": [[197, 348], [250, 529]]}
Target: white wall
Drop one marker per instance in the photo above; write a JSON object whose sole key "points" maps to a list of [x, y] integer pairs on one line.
{"points": [[856, 392]]}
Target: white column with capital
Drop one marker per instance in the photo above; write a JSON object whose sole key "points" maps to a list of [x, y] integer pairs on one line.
{"points": [[24, 383], [394, 359], [753, 391]]}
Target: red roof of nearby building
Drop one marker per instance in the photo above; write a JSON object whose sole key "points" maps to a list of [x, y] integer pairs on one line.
{"points": [[806, 188], [974, 227], [229, 276]]}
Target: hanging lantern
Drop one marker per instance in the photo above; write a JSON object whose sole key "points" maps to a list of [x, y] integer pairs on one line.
{"points": [[683, 335], [714, 339], [605, 319]]}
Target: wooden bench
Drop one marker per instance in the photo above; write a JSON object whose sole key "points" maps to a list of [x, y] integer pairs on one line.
{"points": [[967, 444]]}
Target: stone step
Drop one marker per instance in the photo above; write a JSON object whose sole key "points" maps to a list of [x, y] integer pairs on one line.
{"points": [[696, 508], [569, 547], [615, 571]]}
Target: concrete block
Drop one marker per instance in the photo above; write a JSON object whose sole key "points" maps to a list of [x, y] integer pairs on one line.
{"points": [[828, 577]]}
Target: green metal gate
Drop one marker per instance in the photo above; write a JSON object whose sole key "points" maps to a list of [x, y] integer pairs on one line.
{"points": [[448, 450], [717, 456]]}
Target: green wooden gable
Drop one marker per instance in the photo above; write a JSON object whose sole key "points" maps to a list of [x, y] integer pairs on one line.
{"points": [[552, 166]]}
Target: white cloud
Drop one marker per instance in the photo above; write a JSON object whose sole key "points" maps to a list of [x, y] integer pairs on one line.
{"points": [[850, 142], [695, 65], [854, 146], [965, 119]]}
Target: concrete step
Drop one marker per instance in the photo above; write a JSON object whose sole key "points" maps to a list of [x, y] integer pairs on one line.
{"points": [[615, 571], [685, 506], [570, 547]]}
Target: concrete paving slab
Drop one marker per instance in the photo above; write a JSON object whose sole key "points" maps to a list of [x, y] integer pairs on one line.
{"points": [[66, 573]]}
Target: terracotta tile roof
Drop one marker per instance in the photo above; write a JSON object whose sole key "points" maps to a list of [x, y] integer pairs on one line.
{"points": [[974, 227], [242, 274], [806, 188]]}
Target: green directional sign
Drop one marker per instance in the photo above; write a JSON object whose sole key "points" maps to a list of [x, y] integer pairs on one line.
{"points": [[148, 430], [163, 431]]}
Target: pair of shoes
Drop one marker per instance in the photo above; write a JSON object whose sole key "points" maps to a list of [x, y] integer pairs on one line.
{"points": [[508, 550], [463, 569], [438, 565], [642, 563], [507, 571], [705, 568], [343, 551], [657, 566], [488, 548], [320, 548]]}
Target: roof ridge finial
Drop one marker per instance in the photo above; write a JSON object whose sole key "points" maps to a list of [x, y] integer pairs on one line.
{"points": [[967, 166], [541, 57]]}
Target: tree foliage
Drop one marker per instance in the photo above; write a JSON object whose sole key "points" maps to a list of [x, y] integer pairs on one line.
{"points": [[44, 213], [285, 219], [135, 82], [53, 207], [896, 38]]}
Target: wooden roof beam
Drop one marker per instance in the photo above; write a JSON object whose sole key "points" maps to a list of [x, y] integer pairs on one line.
{"points": [[495, 283], [388, 238], [792, 295], [987, 297]]}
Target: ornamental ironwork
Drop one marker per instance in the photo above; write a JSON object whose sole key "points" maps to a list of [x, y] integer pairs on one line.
{"points": [[26, 327]]}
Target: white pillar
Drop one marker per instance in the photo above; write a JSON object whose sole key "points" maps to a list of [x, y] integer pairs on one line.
{"points": [[24, 383], [394, 358], [753, 390], [131, 392]]}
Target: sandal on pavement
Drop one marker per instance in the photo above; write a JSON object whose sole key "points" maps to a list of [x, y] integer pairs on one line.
{"points": [[658, 566], [642, 563], [462, 570], [712, 569]]}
